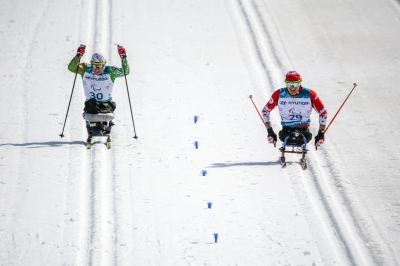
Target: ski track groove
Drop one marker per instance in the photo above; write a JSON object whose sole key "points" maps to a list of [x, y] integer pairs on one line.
{"points": [[338, 231], [254, 40], [268, 39], [317, 203], [354, 235], [114, 167], [98, 228], [346, 234], [83, 189], [86, 234]]}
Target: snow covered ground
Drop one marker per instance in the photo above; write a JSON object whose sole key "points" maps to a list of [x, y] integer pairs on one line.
{"points": [[144, 202]]}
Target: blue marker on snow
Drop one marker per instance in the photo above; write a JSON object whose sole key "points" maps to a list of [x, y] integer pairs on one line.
{"points": [[204, 172], [215, 238], [196, 144], [196, 118]]}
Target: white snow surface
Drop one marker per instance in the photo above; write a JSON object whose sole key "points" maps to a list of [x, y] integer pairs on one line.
{"points": [[144, 202]]}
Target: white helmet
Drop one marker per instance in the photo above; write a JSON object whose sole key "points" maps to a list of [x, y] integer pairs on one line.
{"points": [[98, 58]]}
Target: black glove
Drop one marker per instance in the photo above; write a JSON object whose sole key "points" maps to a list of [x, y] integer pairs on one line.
{"points": [[320, 138], [271, 135]]}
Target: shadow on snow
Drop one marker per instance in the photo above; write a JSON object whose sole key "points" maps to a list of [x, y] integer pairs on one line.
{"points": [[228, 164], [44, 144]]}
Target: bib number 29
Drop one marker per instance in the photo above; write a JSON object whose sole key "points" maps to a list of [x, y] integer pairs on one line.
{"points": [[98, 96], [296, 117]]}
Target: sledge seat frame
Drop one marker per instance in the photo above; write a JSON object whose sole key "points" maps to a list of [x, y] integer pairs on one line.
{"points": [[98, 124], [297, 148]]}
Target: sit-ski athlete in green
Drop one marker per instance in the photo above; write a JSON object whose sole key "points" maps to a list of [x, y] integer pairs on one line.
{"points": [[98, 79]]}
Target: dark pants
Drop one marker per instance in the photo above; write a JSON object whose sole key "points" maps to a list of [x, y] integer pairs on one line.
{"points": [[287, 131], [94, 107]]}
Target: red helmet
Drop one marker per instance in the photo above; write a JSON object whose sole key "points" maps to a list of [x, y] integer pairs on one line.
{"points": [[293, 76]]}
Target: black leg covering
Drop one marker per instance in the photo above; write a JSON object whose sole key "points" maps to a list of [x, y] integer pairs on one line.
{"points": [[288, 130]]}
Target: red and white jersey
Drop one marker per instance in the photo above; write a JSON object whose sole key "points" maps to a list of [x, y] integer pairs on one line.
{"points": [[295, 111]]}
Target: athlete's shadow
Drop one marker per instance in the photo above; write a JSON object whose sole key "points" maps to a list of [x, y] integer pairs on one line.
{"points": [[229, 164], [33, 145]]}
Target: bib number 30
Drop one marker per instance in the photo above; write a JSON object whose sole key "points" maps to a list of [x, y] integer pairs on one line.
{"points": [[98, 96]]}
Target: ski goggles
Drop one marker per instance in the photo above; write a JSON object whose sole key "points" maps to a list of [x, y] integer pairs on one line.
{"points": [[98, 65], [292, 84]]}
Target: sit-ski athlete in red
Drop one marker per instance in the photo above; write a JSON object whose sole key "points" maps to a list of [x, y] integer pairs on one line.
{"points": [[295, 104]]}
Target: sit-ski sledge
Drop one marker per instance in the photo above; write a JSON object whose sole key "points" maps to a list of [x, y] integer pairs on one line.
{"points": [[99, 126], [298, 144]]}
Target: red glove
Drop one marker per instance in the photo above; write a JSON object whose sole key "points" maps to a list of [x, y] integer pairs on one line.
{"points": [[121, 52], [81, 51]]}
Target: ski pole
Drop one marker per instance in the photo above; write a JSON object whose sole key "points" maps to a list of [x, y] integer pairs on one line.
{"points": [[251, 98], [340, 108], [129, 98], [326, 129], [73, 86]]}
